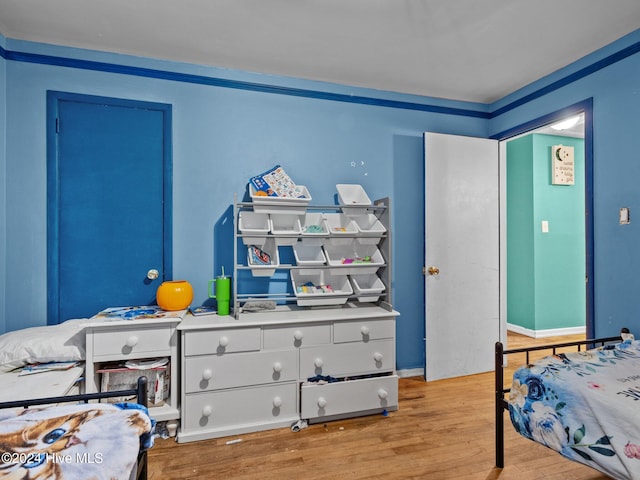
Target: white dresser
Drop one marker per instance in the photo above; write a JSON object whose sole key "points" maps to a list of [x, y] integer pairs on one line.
{"points": [[108, 341], [252, 373]]}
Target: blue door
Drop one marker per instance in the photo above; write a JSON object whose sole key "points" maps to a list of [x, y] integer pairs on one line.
{"points": [[109, 203]]}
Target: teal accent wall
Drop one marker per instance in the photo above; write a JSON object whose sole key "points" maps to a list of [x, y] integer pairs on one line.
{"points": [[545, 271]]}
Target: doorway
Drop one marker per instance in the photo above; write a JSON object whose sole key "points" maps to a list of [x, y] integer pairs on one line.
{"points": [[581, 131], [109, 203], [546, 230]]}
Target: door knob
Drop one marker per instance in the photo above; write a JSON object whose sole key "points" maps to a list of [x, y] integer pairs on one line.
{"points": [[433, 270], [153, 274]]}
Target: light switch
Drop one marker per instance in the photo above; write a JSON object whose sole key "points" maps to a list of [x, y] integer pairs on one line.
{"points": [[545, 226], [624, 216]]}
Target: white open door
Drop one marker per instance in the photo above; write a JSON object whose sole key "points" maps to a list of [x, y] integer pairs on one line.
{"points": [[462, 310]]}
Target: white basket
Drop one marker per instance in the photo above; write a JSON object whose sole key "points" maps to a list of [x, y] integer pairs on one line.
{"points": [[340, 225], [353, 199], [345, 258], [367, 287], [308, 254], [260, 270], [252, 223], [312, 226], [286, 227], [370, 227], [292, 205], [340, 288]]}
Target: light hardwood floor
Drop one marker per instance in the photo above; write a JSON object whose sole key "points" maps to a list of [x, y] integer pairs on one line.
{"points": [[442, 430]]}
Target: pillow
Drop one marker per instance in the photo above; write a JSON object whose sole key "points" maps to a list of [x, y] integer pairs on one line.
{"points": [[64, 342]]}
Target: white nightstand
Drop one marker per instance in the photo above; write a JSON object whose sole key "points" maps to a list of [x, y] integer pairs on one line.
{"points": [[135, 339]]}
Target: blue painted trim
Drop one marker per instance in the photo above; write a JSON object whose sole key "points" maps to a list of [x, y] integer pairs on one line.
{"points": [[316, 94], [235, 84], [585, 106], [53, 217]]}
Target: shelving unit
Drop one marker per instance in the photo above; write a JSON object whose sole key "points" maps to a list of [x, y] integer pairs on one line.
{"points": [[380, 208]]}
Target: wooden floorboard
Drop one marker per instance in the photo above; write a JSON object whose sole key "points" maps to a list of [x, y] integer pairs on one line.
{"points": [[442, 430]]}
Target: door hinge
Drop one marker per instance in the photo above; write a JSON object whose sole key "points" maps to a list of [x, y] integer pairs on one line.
{"points": [[57, 125]]}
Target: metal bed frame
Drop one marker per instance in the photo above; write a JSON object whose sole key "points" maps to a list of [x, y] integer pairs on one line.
{"points": [[502, 404]]}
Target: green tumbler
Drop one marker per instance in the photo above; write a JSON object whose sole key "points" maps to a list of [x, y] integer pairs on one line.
{"points": [[222, 293]]}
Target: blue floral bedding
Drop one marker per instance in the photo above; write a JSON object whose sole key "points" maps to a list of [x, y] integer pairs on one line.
{"points": [[584, 405]]}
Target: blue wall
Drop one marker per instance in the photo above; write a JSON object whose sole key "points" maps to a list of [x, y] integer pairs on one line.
{"points": [[229, 125]]}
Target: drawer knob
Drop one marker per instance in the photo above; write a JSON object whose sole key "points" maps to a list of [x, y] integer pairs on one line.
{"points": [[224, 341], [298, 335], [364, 330], [277, 367], [377, 356], [382, 393], [318, 363], [277, 402], [132, 341], [207, 411], [207, 374], [322, 402]]}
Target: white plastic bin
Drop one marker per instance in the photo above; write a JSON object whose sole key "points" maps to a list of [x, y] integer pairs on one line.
{"points": [[264, 204], [367, 287], [264, 270], [319, 293], [252, 223], [349, 259], [285, 227], [353, 198], [314, 228], [340, 224], [308, 254], [370, 227]]}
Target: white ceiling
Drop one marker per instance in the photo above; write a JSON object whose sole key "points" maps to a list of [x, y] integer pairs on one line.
{"points": [[473, 50]]}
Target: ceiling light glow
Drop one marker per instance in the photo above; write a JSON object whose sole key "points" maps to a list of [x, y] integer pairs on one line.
{"points": [[565, 124]]}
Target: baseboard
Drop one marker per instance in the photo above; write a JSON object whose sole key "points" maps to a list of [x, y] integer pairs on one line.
{"points": [[552, 332], [411, 372]]}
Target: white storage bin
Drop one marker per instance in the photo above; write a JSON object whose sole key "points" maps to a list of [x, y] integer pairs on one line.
{"points": [[349, 259], [339, 224], [353, 198], [314, 228], [370, 227], [285, 227], [252, 223], [264, 204], [260, 269], [324, 288], [367, 287], [308, 254]]}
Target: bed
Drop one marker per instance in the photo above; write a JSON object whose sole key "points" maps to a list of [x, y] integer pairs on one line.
{"points": [[583, 403], [72, 438]]}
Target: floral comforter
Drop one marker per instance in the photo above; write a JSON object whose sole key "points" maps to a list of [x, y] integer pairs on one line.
{"points": [[584, 405]]}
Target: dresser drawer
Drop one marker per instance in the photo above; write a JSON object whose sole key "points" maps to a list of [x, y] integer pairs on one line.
{"points": [[240, 407], [221, 341], [133, 342], [349, 396], [363, 330], [346, 359], [296, 335], [211, 372]]}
